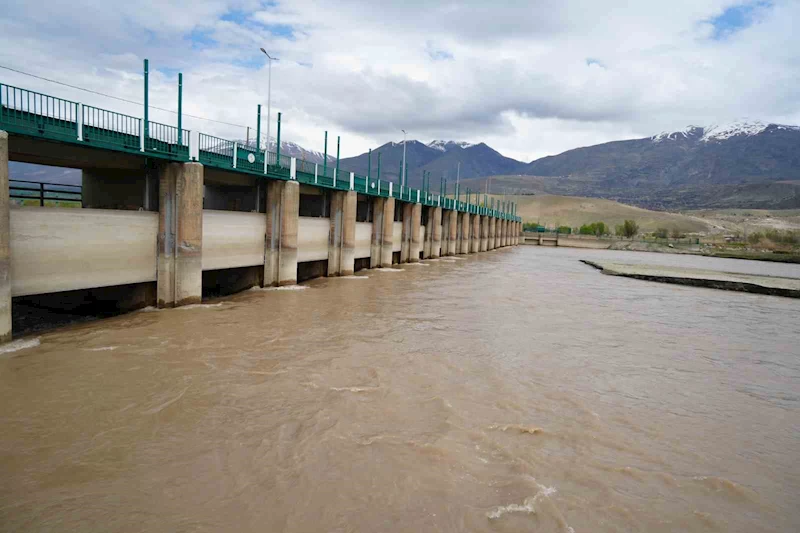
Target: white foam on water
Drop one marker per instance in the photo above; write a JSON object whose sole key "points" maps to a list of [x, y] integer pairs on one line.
{"points": [[21, 344], [458, 258], [448, 260], [432, 260], [353, 277], [417, 264], [354, 389], [528, 506], [283, 288], [390, 270], [102, 349], [199, 306]]}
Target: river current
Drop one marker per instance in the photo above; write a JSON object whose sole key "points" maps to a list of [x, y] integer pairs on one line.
{"points": [[517, 390]]}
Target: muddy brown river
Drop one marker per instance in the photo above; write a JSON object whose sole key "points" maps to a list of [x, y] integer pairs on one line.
{"points": [[518, 390]]}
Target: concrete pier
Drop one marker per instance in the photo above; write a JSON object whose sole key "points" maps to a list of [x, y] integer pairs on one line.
{"points": [[484, 233], [387, 235], [5, 239], [475, 241], [180, 234], [342, 235], [415, 243], [436, 241], [492, 229], [280, 250], [465, 230], [453, 244], [378, 206], [405, 247]]}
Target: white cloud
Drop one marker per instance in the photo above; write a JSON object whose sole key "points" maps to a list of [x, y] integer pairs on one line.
{"points": [[516, 75]]}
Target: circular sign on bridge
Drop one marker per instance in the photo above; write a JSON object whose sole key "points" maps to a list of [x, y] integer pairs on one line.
{"points": [[251, 158]]}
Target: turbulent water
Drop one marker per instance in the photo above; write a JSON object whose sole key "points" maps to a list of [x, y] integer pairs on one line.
{"points": [[518, 390]]}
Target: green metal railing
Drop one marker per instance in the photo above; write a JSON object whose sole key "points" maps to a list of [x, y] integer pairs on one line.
{"points": [[109, 129], [36, 114], [33, 113]]}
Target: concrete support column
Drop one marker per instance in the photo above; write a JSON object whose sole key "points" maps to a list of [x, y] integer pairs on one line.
{"points": [[427, 241], [505, 233], [378, 205], [453, 244], [280, 250], [465, 229], [475, 241], [484, 233], [500, 227], [416, 243], [387, 236], [5, 248], [519, 233], [342, 235], [492, 229], [436, 240], [405, 246], [180, 234]]}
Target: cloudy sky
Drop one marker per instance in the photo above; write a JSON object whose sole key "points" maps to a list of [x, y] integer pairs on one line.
{"points": [[529, 78]]}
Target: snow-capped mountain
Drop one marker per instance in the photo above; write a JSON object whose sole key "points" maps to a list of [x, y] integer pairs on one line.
{"points": [[739, 164], [444, 146], [293, 150], [720, 132]]}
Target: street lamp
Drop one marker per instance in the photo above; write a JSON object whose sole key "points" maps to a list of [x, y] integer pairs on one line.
{"points": [[269, 96], [403, 169]]}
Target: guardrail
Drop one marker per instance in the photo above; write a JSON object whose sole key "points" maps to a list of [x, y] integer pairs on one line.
{"points": [[36, 114], [42, 192]]}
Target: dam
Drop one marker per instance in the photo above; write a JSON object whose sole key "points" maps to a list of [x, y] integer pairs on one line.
{"points": [[169, 216]]}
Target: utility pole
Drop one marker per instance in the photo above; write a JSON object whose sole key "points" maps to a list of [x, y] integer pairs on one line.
{"points": [[270, 59]]}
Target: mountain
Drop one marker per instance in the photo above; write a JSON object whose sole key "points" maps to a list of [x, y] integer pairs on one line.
{"points": [[417, 155], [743, 164], [440, 158]]}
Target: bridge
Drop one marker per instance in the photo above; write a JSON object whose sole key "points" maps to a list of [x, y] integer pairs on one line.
{"points": [[168, 215]]}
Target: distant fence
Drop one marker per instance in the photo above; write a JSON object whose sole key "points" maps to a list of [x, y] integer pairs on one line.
{"points": [[32, 192]]}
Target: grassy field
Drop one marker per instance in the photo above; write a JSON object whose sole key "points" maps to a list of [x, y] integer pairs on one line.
{"points": [[574, 211]]}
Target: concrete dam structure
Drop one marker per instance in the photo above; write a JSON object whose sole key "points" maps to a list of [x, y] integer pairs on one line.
{"points": [[165, 221]]}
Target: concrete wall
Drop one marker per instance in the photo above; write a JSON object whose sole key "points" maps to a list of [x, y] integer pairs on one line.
{"points": [[62, 249], [312, 239], [232, 239], [363, 239]]}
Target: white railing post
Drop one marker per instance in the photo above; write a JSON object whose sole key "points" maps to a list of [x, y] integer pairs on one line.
{"points": [[334, 178], [141, 135], [390, 188], [266, 157], [79, 120], [316, 172], [352, 180], [235, 153], [293, 168], [417, 195]]}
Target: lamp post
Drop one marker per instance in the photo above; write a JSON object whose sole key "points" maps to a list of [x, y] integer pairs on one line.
{"points": [[270, 59], [403, 169]]}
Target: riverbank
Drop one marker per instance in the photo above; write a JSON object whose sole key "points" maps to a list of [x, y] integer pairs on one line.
{"points": [[771, 285], [678, 248]]}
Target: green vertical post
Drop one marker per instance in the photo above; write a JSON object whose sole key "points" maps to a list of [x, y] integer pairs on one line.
{"points": [[146, 98], [180, 108], [325, 157], [338, 142], [278, 150], [258, 130], [369, 164]]}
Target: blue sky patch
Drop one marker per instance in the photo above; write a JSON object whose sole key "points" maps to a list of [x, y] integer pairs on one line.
{"points": [[737, 18]]}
